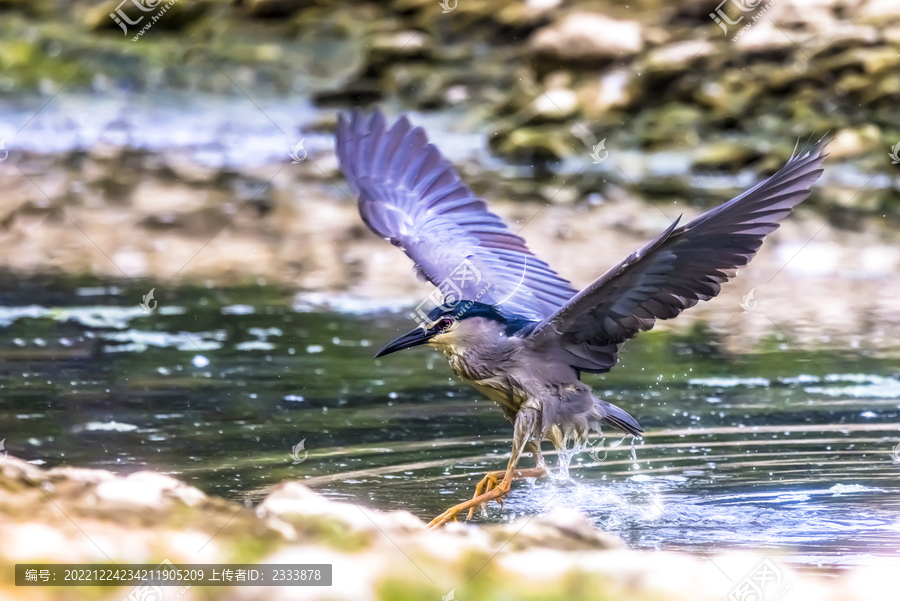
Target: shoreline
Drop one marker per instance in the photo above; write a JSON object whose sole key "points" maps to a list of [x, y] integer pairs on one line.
{"points": [[78, 515], [819, 282]]}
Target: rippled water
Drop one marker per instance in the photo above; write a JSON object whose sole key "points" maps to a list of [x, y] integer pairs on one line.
{"points": [[780, 450]]}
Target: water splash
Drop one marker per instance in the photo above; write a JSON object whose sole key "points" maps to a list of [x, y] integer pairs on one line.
{"points": [[618, 442], [634, 454], [565, 459]]}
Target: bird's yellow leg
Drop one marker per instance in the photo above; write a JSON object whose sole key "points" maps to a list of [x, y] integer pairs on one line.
{"points": [[524, 428], [495, 493], [489, 482], [492, 479]]}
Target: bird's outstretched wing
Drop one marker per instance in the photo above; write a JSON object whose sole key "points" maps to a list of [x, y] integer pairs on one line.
{"points": [[412, 196], [676, 270]]}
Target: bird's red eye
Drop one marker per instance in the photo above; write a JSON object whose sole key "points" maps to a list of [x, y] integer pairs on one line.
{"points": [[445, 323]]}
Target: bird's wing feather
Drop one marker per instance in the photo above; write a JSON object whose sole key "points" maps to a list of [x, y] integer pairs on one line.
{"points": [[676, 270], [412, 196]]}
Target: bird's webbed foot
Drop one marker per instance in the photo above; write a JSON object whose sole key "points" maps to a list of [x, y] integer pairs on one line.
{"points": [[490, 481], [501, 488]]}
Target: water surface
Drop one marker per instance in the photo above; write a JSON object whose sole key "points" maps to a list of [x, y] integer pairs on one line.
{"points": [[780, 450]]}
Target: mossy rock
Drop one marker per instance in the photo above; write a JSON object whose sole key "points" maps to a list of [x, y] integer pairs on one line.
{"points": [[725, 155], [542, 143], [180, 14], [674, 123]]}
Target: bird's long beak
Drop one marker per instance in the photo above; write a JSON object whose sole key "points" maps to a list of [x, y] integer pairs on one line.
{"points": [[416, 337]]}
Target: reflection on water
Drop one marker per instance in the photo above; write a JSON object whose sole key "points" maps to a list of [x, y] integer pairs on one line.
{"points": [[786, 451]]}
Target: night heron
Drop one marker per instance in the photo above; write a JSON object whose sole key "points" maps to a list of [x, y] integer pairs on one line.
{"points": [[510, 325]]}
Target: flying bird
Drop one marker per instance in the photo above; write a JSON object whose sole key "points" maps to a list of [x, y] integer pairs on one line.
{"points": [[515, 329]]}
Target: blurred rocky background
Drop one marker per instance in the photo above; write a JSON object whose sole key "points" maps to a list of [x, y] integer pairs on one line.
{"points": [[164, 160], [166, 157]]}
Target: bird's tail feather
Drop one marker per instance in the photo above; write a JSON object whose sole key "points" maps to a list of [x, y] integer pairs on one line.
{"points": [[618, 418]]}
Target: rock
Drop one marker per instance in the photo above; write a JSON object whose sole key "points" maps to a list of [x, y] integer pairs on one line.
{"points": [[588, 36], [543, 143], [84, 515], [17, 472], [97, 18], [386, 48], [865, 200], [400, 43], [844, 35], [153, 197], [274, 8], [422, 85], [456, 94], [727, 155], [673, 123], [878, 60], [764, 37], [888, 86], [616, 89], [675, 57], [298, 505], [778, 79], [556, 104], [563, 529], [147, 489], [891, 35], [523, 14], [879, 12], [78, 474], [729, 94], [871, 60], [558, 193], [186, 168], [131, 262], [851, 142]]}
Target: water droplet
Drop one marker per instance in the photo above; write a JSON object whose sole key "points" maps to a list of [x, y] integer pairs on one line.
{"points": [[613, 445]]}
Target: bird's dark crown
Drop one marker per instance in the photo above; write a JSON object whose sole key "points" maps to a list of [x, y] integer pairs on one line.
{"points": [[465, 309]]}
